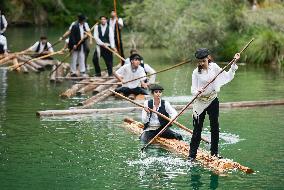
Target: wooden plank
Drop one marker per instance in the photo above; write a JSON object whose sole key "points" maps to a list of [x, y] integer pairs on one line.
{"points": [[218, 166], [97, 98], [229, 105]]}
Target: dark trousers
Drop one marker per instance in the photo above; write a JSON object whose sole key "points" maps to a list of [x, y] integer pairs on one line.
{"points": [[127, 91], [146, 136], [107, 56], [120, 49], [87, 51], [213, 111]]}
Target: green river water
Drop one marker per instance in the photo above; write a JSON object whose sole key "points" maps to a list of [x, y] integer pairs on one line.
{"points": [[95, 152]]}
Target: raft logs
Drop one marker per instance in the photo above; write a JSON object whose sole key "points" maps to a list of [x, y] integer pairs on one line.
{"points": [[218, 166], [29, 66], [227, 105], [88, 84]]}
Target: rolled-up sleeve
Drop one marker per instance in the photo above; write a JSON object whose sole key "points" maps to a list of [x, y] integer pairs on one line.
{"points": [[170, 110], [194, 84], [150, 70], [145, 115], [96, 36]]}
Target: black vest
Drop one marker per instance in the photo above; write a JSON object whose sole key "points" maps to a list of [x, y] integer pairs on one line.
{"points": [[75, 36], [2, 49], [104, 38], [38, 47], [161, 110], [1, 22], [115, 31]]}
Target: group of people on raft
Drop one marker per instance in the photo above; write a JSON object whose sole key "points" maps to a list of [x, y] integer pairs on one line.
{"points": [[206, 103], [108, 34]]}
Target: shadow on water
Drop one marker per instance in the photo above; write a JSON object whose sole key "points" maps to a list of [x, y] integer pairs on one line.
{"points": [[197, 179]]}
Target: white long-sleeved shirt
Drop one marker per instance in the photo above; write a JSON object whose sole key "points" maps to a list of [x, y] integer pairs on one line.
{"points": [[199, 80], [147, 68], [41, 47], [81, 27], [110, 35], [5, 23], [113, 21], [154, 121], [127, 73], [3, 41]]}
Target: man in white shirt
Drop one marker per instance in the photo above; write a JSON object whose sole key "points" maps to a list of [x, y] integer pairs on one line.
{"points": [[41, 47], [129, 72], [117, 25], [3, 45], [153, 123], [147, 68], [104, 36], [76, 33], [207, 102], [3, 23]]}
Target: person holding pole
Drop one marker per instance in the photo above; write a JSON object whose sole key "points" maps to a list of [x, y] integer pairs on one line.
{"points": [[41, 47], [207, 101], [76, 33], [117, 25], [153, 123], [3, 23], [132, 77], [104, 36], [3, 45]]}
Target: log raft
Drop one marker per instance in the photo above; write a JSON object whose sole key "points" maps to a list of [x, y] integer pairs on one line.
{"points": [[80, 111], [218, 166], [17, 60]]}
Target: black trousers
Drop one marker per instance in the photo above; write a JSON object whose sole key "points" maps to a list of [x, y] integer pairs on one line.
{"points": [[120, 49], [87, 51], [107, 56], [127, 91], [213, 111], [146, 136]]}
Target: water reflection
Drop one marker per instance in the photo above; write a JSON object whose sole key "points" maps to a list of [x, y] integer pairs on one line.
{"points": [[197, 182], [3, 95]]}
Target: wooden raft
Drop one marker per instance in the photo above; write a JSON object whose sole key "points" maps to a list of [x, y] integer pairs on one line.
{"points": [[35, 66], [228, 105], [218, 166]]}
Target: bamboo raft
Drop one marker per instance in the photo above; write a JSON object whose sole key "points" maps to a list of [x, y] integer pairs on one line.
{"points": [[80, 111], [218, 166]]}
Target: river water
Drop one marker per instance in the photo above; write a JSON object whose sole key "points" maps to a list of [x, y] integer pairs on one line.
{"points": [[95, 152]]}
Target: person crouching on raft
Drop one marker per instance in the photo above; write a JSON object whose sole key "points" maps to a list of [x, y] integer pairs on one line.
{"points": [[153, 123], [207, 101]]}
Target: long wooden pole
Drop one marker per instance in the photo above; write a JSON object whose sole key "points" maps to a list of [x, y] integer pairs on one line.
{"points": [[158, 113], [163, 70], [145, 146], [117, 29], [34, 59], [41, 57], [108, 48]]}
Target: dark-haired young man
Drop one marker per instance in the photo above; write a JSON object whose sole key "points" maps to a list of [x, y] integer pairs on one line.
{"points": [[153, 123], [129, 72], [104, 36]]}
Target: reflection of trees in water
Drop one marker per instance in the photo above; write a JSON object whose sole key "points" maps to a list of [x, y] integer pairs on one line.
{"points": [[3, 93]]}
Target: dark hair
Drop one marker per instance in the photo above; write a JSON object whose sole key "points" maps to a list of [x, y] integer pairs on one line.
{"points": [[43, 38], [103, 17], [135, 56], [132, 51], [200, 67]]}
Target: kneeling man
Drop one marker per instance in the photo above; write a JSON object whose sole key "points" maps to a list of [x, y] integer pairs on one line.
{"points": [[153, 123]]}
